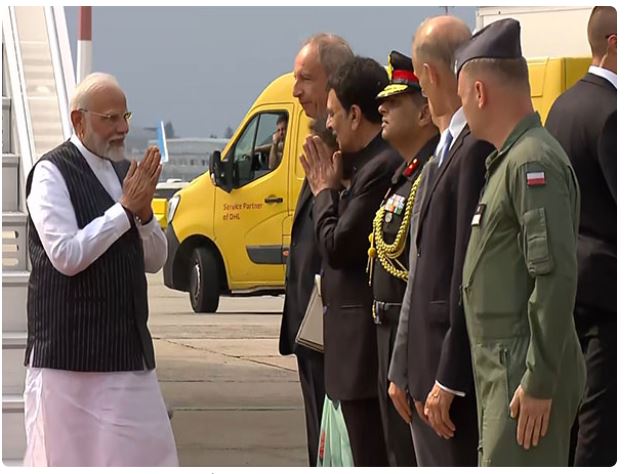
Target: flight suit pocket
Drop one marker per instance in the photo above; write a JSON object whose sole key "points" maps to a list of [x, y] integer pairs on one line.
{"points": [[537, 250], [491, 361]]}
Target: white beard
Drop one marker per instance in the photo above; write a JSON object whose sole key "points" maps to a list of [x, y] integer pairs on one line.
{"points": [[116, 154], [102, 148]]}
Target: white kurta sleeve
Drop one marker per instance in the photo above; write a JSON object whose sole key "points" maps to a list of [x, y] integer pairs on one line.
{"points": [[70, 249], [154, 245]]}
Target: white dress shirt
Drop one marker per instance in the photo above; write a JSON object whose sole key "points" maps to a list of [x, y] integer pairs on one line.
{"points": [[457, 124], [70, 249], [604, 73]]}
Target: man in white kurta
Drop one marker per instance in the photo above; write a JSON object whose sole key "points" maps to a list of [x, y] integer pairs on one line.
{"points": [[85, 418]]}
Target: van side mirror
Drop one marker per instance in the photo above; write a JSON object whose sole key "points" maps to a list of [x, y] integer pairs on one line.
{"points": [[221, 171]]}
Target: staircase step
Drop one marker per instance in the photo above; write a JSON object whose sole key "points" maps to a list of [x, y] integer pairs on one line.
{"points": [[12, 402], [13, 369], [10, 158], [10, 183], [14, 434], [14, 250], [13, 340], [14, 294]]}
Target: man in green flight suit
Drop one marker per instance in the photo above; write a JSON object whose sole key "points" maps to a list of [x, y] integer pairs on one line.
{"points": [[519, 275]]}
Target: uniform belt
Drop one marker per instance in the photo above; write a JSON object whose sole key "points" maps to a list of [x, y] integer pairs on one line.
{"points": [[383, 312]]}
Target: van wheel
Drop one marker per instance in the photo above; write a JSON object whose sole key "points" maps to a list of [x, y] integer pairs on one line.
{"points": [[204, 281]]}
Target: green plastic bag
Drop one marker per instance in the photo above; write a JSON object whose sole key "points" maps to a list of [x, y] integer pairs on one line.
{"points": [[334, 447]]}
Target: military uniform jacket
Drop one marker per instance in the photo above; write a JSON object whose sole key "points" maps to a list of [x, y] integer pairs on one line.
{"points": [[386, 287], [519, 276], [343, 222]]}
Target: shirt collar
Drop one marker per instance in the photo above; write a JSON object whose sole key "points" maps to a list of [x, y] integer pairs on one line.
{"points": [[605, 74], [457, 124], [94, 160], [413, 168]]}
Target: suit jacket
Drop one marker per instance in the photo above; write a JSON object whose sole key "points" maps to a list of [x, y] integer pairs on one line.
{"points": [[584, 121], [399, 365], [303, 263], [343, 222], [438, 346]]}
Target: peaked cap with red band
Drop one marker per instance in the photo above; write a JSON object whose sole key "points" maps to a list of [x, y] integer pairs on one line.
{"points": [[401, 76]]}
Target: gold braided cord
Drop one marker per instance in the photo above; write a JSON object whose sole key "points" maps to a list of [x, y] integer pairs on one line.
{"points": [[388, 254]]}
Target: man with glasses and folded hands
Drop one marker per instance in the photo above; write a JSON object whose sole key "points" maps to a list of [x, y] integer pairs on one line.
{"points": [[92, 397]]}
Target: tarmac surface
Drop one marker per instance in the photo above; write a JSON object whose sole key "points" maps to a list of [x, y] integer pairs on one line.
{"points": [[236, 400]]}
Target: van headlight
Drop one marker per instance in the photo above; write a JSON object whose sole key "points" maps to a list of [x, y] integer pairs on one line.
{"points": [[172, 205]]}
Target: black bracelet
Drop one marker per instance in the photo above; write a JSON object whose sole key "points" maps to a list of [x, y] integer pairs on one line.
{"points": [[148, 220]]}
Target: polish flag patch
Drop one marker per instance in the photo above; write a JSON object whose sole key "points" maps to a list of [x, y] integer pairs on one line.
{"points": [[536, 178]]}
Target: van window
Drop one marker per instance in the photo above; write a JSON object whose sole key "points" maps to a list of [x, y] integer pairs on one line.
{"points": [[259, 149]]}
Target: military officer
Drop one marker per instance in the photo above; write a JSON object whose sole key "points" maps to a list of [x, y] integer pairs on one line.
{"points": [[407, 126], [519, 275]]}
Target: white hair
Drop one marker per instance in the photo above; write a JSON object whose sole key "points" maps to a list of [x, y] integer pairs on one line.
{"points": [[88, 85]]}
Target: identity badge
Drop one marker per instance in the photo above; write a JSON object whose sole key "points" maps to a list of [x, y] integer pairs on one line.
{"points": [[478, 215]]}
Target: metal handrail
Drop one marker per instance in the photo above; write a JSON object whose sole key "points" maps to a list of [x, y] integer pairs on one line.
{"points": [[61, 54], [23, 123]]}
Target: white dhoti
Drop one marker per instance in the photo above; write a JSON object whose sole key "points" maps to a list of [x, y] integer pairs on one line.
{"points": [[96, 419]]}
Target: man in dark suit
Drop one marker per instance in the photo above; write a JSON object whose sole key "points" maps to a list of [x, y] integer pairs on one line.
{"points": [[348, 187], [584, 120], [440, 378], [320, 56]]}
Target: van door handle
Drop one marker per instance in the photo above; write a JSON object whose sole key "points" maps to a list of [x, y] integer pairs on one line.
{"points": [[273, 199]]}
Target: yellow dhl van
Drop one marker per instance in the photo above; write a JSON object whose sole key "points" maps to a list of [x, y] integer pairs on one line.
{"points": [[229, 231]]}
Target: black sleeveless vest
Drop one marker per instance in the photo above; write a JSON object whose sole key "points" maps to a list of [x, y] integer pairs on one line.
{"points": [[95, 321]]}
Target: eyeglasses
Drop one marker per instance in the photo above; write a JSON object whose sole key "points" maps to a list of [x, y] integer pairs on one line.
{"points": [[112, 118]]}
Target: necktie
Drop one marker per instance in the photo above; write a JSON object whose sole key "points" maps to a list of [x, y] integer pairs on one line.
{"points": [[443, 152]]}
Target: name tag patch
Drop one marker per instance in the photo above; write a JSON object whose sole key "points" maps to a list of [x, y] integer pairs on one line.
{"points": [[478, 215], [535, 178]]}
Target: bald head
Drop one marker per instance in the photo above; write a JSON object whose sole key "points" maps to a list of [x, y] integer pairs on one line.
{"points": [[436, 39], [602, 24]]}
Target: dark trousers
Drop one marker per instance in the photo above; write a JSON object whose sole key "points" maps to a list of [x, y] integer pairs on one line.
{"points": [[311, 373], [460, 450], [397, 433], [594, 435], [365, 430]]}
